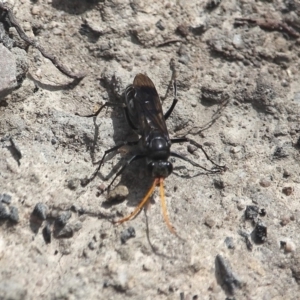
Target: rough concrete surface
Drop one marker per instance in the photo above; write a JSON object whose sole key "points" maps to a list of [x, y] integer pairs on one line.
{"points": [[239, 96], [8, 80]]}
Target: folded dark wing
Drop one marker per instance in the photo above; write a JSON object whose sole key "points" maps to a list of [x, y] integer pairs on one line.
{"points": [[151, 114]]}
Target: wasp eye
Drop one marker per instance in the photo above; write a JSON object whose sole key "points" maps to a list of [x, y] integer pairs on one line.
{"points": [[169, 167]]}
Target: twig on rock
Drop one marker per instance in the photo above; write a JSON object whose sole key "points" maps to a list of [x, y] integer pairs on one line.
{"points": [[269, 24], [35, 44]]}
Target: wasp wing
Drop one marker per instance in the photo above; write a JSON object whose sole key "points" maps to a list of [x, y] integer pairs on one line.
{"points": [[151, 117]]}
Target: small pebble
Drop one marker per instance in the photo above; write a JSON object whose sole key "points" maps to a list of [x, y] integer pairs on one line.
{"points": [[35, 10], [47, 234], [240, 203], [63, 218], [248, 243], [127, 234], [280, 152], [66, 232], [247, 240], [77, 209], [265, 182], [195, 267], [288, 246], [40, 211], [77, 225], [193, 103], [69, 230], [287, 190], [72, 184], [183, 30], [238, 41], [4, 212], [54, 213], [5, 198], [225, 276], [229, 242], [191, 148], [262, 212], [118, 194], [209, 222], [251, 212], [184, 59], [260, 232], [92, 245], [285, 220], [65, 247], [14, 214], [57, 31], [219, 184], [236, 149], [160, 25]]}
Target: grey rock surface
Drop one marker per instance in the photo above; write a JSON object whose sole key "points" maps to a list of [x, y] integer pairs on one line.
{"points": [[238, 96], [8, 80]]}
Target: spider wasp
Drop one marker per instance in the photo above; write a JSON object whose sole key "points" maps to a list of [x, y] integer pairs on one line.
{"points": [[144, 114]]}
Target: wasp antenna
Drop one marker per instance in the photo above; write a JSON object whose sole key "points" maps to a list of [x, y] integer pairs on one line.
{"points": [[164, 206], [141, 205]]}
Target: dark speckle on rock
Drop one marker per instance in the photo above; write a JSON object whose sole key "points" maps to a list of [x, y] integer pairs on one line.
{"points": [[219, 183], [5, 198], [280, 152], [211, 4], [229, 242], [183, 30], [92, 245], [225, 277], [47, 233], [73, 184], [14, 214], [160, 25], [40, 211], [251, 212], [288, 190], [68, 230], [260, 232], [127, 234], [4, 212], [63, 218]]}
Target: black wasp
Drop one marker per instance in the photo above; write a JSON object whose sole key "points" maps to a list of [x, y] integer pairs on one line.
{"points": [[144, 114]]}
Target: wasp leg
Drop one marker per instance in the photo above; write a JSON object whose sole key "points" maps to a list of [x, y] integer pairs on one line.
{"points": [[129, 94], [170, 110], [175, 100], [183, 140], [106, 104], [180, 140], [88, 180], [133, 158], [223, 168], [219, 168], [174, 154]]}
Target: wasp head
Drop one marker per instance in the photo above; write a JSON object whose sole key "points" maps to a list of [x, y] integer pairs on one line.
{"points": [[160, 168]]}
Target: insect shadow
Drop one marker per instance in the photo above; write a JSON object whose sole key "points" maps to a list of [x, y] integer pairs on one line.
{"points": [[144, 114]]}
